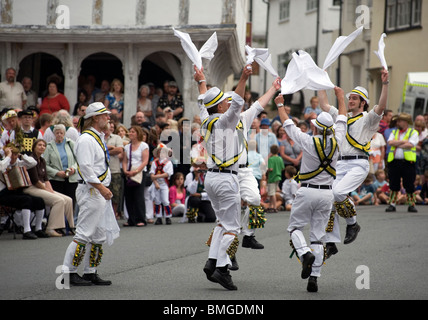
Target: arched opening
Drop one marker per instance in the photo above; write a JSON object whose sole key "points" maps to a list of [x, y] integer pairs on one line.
{"points": [[159, 67], [95, 69], [40, 67]]}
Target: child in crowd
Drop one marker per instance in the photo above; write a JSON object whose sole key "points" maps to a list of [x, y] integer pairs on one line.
{"points": [[160, 172], [289, 187], [380, 185], [177, 195], [418, 189], [365, 193], [256, 161], [275, 168]]}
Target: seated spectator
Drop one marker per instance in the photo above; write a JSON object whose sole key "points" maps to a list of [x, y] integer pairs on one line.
{"points": [[365, 193], [379, 183], [424, 189], [289, 187], [61, 205], [177, 195], [199, 208]]}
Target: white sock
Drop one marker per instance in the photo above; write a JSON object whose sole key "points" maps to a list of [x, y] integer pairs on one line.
{"points": [[26, 213], [39, 219]]}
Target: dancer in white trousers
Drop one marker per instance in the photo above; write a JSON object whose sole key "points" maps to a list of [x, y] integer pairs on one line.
{"points": [[92, 197], [353, 164], [317, 173]]}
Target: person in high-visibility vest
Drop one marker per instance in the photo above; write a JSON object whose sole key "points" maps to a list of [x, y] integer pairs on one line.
{"points": [[402, 161]]}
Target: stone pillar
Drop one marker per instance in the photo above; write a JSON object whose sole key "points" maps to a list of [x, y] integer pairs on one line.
{"points": [[131, 70], [71, 71]]}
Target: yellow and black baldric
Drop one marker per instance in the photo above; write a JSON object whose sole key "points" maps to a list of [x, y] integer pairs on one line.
{"points": [[102, 145], [325, 160], [206, 134], [366, 147]]}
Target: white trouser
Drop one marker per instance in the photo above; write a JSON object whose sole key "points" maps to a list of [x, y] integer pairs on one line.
{"points": [[350, 174], [223, 190], [311, 206], [250, 193], [90, 227]]}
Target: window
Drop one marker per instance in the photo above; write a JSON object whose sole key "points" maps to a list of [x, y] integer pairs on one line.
{"points": [[311, 5], [284, 10], [403, 14]]}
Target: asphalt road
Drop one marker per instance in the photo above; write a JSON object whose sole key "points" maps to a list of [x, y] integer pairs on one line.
{"points": [[388, 261]]}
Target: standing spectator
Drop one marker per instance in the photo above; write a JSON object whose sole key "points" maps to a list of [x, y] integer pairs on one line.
{"points": [[115, 148], [62, 117], [32, 96], [377, 153], [313, 110], [402, 161], [135, 159], [61, 205], [289, 187], [177, 195], [101, 95], [12, 93], [171, 98], [161, 171], [122, 132], [115, 99], [256, 161], [45, 121], [265, 139], [384, 122], [144, 104], [54, 101], [420, 127], [61, 165], [290, 152], [275, 168], [82, 100]]}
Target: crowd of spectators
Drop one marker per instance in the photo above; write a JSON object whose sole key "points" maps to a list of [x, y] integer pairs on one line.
{"points": [[171, 185]]}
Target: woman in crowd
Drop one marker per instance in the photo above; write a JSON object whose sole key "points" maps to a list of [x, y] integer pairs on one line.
{"points": [[114, 100], [61, 205], [61, 117], [144, 104], [135, 159], [289, 151], [61, 164], [54, 101]]}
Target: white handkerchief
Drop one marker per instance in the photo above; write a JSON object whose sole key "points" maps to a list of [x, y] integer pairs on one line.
{"points": [[381, 51], [195, 55], [339, 46], [303, 73], [262, 57]]}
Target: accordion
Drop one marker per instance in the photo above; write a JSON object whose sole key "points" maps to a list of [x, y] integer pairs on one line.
{"points": [[16, 178]]}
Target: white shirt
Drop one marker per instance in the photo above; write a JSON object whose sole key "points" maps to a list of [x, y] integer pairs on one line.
{"points": [[310, 160], [91, 158], [137, 155], [11, 96], [361, 130], [224, 141]]}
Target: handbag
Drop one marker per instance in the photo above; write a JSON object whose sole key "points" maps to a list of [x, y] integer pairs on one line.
{"points": [[136, 180], [16, 178]]}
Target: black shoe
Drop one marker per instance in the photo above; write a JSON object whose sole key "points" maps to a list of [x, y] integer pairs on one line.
{"points": [[251, 242], [312, 284], [29, 236], [210, 268], [95, 279], [390, 208], [330, 249], [351, 233], [76, 280], [158, 221], [234, 265], [167, 221], [41, 234], [307, 260], [224, 278], [412, 209]]}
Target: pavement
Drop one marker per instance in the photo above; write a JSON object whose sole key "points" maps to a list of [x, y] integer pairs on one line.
{"points": [[164, 263]]}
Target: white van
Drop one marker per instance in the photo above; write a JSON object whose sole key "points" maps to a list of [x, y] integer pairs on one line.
{"points": [[415, 94]]}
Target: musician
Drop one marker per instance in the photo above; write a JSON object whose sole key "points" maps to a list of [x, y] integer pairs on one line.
{"points": [[16, 198]]}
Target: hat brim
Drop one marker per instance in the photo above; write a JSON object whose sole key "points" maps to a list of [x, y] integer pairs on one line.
{"points": [[364, 98], [93, 114]]}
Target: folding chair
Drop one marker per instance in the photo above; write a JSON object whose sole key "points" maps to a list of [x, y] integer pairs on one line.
{"points": [[10, 222]]}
